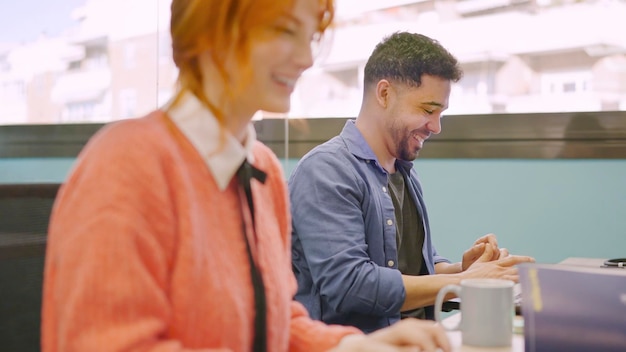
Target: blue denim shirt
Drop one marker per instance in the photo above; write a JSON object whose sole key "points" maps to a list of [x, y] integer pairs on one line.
{"points": [[344, 234]]}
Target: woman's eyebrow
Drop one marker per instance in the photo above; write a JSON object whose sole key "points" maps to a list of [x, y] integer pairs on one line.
{"points": [[289, 18]]}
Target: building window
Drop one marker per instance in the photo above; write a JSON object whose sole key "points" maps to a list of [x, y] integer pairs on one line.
{"points": [[565, 82], [13, 90], [128, 102], [129, 56], [79, 111]]}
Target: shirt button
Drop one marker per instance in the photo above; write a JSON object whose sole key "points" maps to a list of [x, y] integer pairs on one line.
{"points": [[384, 189], [389, 222], [390, 263]]}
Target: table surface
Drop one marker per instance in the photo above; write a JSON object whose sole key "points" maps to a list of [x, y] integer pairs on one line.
{"points": [[517, 344]]}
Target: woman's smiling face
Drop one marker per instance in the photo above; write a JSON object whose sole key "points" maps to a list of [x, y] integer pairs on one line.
{"points": [[279, 56]]}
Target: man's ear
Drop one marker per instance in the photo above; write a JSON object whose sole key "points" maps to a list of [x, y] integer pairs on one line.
{"points": [[383, 91]]}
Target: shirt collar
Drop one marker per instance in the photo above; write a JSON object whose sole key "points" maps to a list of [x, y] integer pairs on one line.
{"points": [[223, 156], [356, 142], [357, 145]]}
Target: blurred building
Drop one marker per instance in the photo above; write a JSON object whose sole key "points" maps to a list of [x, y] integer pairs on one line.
{"points": [[114, 64], [518, 56], [83, 88], [12, 90]]}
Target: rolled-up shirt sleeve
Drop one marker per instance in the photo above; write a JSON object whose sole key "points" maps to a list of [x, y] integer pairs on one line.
{"points": [[329, 202], [439, 258]]}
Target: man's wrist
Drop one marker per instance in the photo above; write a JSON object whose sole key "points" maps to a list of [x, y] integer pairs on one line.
{"points": [[448, 268]]}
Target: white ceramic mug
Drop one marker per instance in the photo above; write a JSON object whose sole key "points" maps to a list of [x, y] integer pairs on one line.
{"points": [[487, 311]]}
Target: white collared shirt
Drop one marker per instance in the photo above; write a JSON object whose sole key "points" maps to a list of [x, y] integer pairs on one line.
{"points": [[203, 130]]}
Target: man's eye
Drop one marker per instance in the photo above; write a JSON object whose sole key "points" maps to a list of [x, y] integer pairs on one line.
{"points": [[429, 112]]}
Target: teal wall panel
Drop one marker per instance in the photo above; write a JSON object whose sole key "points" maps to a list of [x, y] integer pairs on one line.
{"points": [[34, 170], [550, 209]]}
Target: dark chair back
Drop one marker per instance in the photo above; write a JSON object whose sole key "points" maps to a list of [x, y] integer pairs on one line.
{"points": [[24, 216]]}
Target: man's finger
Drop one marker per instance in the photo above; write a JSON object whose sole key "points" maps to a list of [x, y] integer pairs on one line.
{"points": [[515, 259], [488, 238], [487, 253], [504, 253]]}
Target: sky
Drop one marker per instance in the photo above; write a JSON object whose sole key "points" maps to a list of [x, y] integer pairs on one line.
{"points": [[25, 20]]}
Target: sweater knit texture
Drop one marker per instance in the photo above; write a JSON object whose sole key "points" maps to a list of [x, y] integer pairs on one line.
{"points": [[145, 253]]}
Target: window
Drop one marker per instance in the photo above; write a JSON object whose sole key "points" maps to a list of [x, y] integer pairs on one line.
{"points": [[128, 103], [501, 75], [566, 82], [129, 56]]}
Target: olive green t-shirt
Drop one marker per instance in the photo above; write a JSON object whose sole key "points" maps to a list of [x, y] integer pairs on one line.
{"points": [[409, 234]]}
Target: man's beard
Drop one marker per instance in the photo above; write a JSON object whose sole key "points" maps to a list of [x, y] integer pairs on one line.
{"points": [[404, 151]]}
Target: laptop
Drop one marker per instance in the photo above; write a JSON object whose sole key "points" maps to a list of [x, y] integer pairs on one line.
{"points": [[573, 308]]}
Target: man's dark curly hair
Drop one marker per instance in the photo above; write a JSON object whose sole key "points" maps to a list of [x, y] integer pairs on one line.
{"points": [[405, 57]]}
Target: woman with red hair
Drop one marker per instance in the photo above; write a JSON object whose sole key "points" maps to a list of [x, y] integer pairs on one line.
{"points": [[172, 233]]}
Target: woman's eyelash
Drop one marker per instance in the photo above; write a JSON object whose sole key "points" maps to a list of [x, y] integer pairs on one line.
{"points": [[285, 29]]}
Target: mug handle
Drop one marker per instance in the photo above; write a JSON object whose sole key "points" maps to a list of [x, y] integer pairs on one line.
{"points": [[439, 302]]}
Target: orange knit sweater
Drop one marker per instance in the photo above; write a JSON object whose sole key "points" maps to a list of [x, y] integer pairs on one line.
{"points": [[146, 254]]}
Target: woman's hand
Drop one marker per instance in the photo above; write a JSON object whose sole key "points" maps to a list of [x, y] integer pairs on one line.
{"points": [[406, 335]]}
